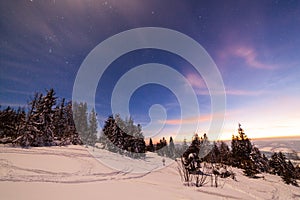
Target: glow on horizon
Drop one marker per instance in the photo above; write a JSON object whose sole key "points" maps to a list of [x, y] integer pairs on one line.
{"points": [[268, 118]]}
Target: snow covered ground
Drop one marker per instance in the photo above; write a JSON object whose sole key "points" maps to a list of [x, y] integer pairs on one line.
{"points": [[73, 173]]}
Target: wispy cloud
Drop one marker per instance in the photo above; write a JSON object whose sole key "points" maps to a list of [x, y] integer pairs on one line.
{"points": [[248, 54], [245, 92], [195, 80], [250, 57], [198, 84], [200, 87], [18, 92]]}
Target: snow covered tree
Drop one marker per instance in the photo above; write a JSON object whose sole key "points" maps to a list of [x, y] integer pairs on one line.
{"points": [[289, 174], [81, 120], [92, 128], [250, 168], [214, 155], [59, 120], [117, 140], [276, 163], [224, 153], [69, 128], [241, 148], [10, 123], [108, 131], [204, 144], [260, 161], [190, 157], [281, 167], [45, 123]]}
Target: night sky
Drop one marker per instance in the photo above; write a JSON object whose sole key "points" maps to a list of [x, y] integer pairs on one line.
{"points": [[255, 45]]}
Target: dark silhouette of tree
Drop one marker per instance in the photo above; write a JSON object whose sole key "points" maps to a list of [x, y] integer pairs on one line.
{"points": [[245, 155], [224, 153], [281, 167], [161, 147], [117, 140], [214, 156], [250, 168], [10, 123], [171, 149], [260, 161], [150, 146], [190, 158], [241, 148]]}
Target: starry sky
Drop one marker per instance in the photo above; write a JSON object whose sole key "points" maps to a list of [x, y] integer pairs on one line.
{"points": [[254, 44]]}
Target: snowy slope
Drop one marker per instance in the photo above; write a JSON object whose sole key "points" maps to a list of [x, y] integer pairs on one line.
{"points": [[73, 173]]}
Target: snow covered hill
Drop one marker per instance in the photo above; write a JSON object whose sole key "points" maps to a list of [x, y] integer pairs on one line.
{"points": [[73, 173]]}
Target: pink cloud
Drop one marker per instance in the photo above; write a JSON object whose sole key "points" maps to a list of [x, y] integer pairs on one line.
{"points": [[250, 57], [247, 53], [197, 83]]}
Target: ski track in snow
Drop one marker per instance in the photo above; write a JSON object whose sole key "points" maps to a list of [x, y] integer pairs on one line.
{"points": [[75, 165], [83, 175]]}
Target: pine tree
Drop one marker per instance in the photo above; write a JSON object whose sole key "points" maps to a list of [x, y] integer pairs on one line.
{"points": [[171, 148], [28, 130], [204, 144], [151, 146], [108, 131], [214, 155], [59, 120], [93, 125], [250, 168], [241, 149], [10, 120], [289, 174], [260, 161], [276, 163], [117, 140], [44, 124], [81, 120], [285, 169], [224, 153], [190, 158], [184, 145], [44, 119]]}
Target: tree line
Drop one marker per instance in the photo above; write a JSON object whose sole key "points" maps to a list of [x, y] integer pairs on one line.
{"points": [[242, 154], [48, 122]]}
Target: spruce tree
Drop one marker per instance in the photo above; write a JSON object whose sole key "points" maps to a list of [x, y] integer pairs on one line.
{"points": [[116, 137], [81, 120], [93, 125], [224, 153], [281, 167], [151, 146], [241, 149], [171, 148]]}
